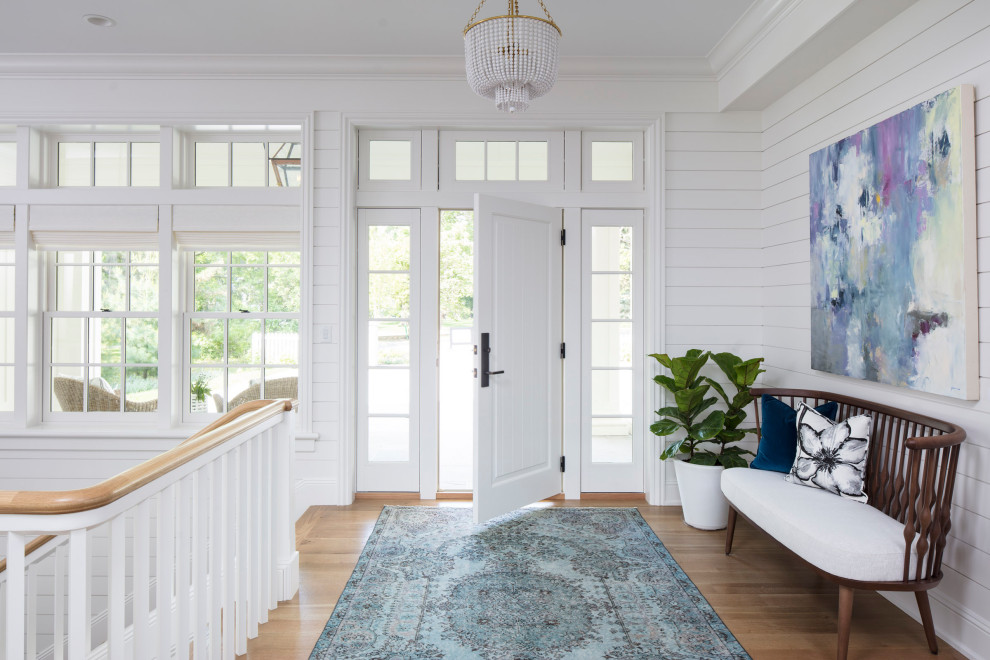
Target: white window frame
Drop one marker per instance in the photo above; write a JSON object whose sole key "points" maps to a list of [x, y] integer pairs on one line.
{"points": [[613, 477], [555, 161], [11, 138], [110, 418], [415, 138], [188, 266], [185, 139], [383, 475], [50, 142], [8, 415], [638, 163]]}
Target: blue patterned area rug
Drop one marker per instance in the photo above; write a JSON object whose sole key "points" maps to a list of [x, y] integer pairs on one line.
{"points": [[536, 584]]}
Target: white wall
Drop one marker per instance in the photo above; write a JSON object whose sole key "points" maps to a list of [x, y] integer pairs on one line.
{"points": [[933, 45], [713, 251]]}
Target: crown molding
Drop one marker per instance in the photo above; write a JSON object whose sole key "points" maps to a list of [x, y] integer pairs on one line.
{"points": [[43, 65], [751, 27]]}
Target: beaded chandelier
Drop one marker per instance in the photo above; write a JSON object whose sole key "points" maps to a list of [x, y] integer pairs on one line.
{"points": [[513, 58]]}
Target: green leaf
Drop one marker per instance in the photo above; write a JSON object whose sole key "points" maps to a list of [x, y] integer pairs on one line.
{"points": [[710, 427], [665, 427], [746, 372], [732, 461], [669, 411], [705, 458], [742, 399], [662, 358], [727, 363], [690, 401], [718, 388], [736, 451], [672, 450], [728, 436], [666, 382], [685, 369]]}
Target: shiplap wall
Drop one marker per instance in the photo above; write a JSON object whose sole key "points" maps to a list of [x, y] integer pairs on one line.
{"points": [[933, 45], [713, 248], [317, 473]]}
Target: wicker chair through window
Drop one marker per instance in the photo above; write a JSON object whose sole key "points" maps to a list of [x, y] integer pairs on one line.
{"points": [[277, 388], [69, 392]]}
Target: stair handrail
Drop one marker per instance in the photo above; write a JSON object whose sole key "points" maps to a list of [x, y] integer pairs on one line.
{"points": [[54, 502]]}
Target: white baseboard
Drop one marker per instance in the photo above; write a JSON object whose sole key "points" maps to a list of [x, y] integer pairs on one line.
{"points": [[964, 629], [288, 578], [312, 492]]}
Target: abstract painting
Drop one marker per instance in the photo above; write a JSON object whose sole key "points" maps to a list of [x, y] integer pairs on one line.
{"points": [[893, 250]]}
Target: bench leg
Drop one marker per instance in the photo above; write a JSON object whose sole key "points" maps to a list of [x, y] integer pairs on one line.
{"points": [[845, 620], [730, 529], [925, 610]]}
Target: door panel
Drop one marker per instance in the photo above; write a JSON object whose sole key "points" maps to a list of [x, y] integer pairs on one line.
{"points": [[518, 300]]}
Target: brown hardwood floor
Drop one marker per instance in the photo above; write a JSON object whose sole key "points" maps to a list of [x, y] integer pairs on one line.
{"points": [[776, 607]]}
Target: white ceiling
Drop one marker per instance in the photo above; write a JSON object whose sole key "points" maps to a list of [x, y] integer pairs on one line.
{"points": [[613, 28]]}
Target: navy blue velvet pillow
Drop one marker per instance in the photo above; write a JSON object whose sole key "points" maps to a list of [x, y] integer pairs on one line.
{"points": [[778, 426]]}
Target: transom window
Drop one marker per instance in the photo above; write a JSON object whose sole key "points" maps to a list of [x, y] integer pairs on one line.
{"points": [[108, 164], [276, 164], [243, 328], [8, 163], [478, 160], [102, 334]]}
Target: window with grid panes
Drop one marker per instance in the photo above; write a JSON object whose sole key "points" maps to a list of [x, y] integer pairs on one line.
{"points": [[7, 337], [102, 331], [242, 329]]}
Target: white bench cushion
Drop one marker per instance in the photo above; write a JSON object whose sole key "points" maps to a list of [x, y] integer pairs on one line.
{"points": [[840, 536]]}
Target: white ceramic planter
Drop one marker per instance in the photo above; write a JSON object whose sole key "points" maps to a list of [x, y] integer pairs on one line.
{"points": [[705, 507]]}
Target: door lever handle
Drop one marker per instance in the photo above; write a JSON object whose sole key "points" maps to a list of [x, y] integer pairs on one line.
{"points": [[493, 373]]}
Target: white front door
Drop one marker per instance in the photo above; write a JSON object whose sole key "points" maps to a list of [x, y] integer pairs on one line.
{"points": [[518, 298]]}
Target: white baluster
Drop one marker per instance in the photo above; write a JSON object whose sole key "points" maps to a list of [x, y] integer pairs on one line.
{"points": [[117, 595], [78, 595], [230, 497], [285, 526], [217, 527], [243, 549], [182, 558], [256, 541], [166, 566], [15, 595], [201, 546], [59, 609], [142, 577], [267, 565], [3, 619], [31, 623]]}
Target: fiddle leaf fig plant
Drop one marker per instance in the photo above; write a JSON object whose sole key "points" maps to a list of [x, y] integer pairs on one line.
{"points": [[710, 441]]}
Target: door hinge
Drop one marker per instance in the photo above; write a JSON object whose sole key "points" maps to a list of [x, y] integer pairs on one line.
{"points": [[563, 350], [562, 464], [563, 237]]}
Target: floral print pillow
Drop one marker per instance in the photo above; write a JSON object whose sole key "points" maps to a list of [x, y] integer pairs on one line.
{"points": [[831, 455]]}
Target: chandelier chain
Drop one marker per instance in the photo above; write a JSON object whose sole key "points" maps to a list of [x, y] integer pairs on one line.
{"points": [[475, 14], [545, 11], [513, 5]]}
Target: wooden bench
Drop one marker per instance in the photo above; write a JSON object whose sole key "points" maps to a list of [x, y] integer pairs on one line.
{"points": [[896, 541]]}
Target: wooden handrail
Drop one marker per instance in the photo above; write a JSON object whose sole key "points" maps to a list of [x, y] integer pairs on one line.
{"points": [[53, 502]]}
